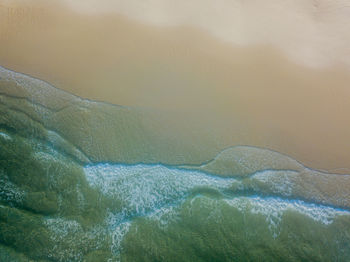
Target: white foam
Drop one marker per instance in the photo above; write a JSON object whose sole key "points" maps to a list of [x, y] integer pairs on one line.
{"points": [[5, 136], [62, 227], [152, 191], [73, 233], [280, 182], [118, 235], [164, 216], [9, 192], [156, 192], [145, 188], [64, 230], [23, 80], [274, 208]]}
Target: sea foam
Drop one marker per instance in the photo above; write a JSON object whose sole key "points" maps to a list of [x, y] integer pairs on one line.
{"points": [[156, 192], [146, 188]]}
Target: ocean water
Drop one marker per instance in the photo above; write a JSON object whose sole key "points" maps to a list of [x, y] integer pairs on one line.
{"points": [[54, 209], [207, 220], [271, 75]]}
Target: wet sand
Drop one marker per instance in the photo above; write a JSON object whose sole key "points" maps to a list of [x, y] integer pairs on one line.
{"points": [[252, 94]]}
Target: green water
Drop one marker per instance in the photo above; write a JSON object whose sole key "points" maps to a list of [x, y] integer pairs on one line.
{"points": [[54, 209]]}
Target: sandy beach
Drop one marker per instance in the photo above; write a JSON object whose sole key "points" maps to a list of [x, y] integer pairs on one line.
{"points": [[288, 93]]}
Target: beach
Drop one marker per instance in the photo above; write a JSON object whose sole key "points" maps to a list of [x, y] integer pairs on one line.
{"points": [[258, 90]]}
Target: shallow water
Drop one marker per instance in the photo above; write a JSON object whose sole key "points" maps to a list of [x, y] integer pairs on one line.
{"points": [[259, 205], [160, 194]]}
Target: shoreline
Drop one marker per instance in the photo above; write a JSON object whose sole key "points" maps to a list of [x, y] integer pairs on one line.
{"points": [[250, 95]]}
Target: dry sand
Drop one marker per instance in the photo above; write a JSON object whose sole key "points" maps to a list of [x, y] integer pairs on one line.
{"points": [[254, 93]]}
